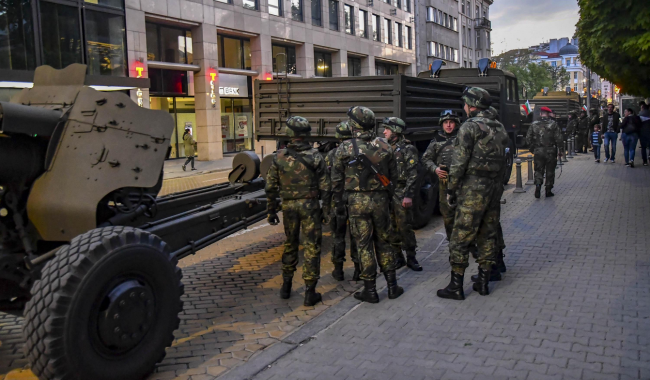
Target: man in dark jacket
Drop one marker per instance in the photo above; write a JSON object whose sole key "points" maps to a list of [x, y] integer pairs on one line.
{"points": [[644, 135], [609, 124], [631, 126]]}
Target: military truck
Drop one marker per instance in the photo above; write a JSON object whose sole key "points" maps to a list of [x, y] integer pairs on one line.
{"points": [[418, 101], [87, 249], [561, 102]]}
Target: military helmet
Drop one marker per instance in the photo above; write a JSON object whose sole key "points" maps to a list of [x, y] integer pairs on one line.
{"points": [[477, 97], [298, 126], [494, 112], [449, 115], [395, 124], [361, 118], [343, 131], [573, 114]]}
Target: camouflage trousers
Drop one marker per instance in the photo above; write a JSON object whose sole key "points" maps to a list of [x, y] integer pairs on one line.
{"points": [[582, 140], [476, 220], [447, 212], [305, 215], [402, 219], [370, 225], [545, 160], [339, 228]]}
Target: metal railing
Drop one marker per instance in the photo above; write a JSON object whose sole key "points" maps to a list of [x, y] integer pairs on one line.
{"points": [[482, 22]]}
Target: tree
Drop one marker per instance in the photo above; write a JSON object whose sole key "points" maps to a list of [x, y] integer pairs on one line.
{"points": [[615, 42], [559, 77]]}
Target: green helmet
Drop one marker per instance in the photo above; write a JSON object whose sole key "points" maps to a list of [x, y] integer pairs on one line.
{"points": [[395, 124], [361, 118], [477, 97], [573, 114], [449, 115], [343, 131], [297, 126], [494, 112]]}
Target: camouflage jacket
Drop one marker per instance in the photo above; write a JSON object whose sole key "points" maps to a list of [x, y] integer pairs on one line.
{"points": [[288, 178], [572, 127], [329, 160], [593, 120], [583, 124], [439, 152], [406, 159], [350, 174], [480, 149], [544, 133]]}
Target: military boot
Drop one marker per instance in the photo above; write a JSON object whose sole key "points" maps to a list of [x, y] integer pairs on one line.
{"points": [[538, 191], [549, 193], [311, 297], [500, 263], [400, 261], [495, 275], [481, 286], [412, 263], [369, 292], [357, 272], [338, 273], [453, 291], [394, 291], [473, 249], [285, 290]]}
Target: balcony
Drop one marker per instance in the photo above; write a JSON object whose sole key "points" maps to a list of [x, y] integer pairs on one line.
{"points": [[482, 23]]}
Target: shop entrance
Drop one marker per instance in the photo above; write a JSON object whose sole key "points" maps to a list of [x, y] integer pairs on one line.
{"points": [[236, 124], [182, 110]]}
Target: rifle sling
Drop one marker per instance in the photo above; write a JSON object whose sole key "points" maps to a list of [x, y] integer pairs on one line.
{"points": [[299, 158]]}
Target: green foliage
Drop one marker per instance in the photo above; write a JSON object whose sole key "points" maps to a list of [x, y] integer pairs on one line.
{"points": [[615, 42], [532, 76], [559, 77]]}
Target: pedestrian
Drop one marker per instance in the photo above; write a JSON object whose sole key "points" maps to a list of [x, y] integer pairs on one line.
{"points": [[407, 160], [593, 120], [631, 126], [190, 147], [476, 172], [299, 177], [609, 122], [339, 223], [544, 139], [583, 132], [364, 167], [644, 135], [596, 142]]}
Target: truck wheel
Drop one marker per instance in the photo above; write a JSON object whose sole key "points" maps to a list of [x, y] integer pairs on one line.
{"points": [[425, 200], [510, 159], [105, 307]]}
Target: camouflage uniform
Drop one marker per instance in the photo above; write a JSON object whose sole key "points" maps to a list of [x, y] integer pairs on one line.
{"points": [[583, 133], [543, 138], [572, 126]]}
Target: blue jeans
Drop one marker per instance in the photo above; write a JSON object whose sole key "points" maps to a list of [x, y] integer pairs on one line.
{"points": [[596, 151], [630, 147], [610, 137]]}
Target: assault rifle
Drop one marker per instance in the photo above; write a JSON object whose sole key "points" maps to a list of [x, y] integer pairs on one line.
{"points": [[363, 159]]}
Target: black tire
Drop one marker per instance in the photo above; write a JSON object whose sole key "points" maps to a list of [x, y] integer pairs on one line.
{"points": [[426, 199], [79, 298], [510, 159]]}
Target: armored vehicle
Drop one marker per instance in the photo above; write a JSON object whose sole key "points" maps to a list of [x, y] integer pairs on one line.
{"points": [[561, 102]]}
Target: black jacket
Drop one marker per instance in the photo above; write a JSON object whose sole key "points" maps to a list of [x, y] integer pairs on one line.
{"points": [[631, 124], [645, 124], [605, 120]]}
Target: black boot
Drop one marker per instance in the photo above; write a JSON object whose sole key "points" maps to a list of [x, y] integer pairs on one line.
{"points": [[369, 292], [285, 290], [453, 291], [311, 297], [500, 263], [481, 286], [538, 191], [394, 291], [412, 263], [357, 272], [473, 249], [549, 193], [495, 275], [400, 261], [338, 273]]}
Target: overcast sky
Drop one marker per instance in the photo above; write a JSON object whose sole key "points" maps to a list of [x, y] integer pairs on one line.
{"points": [[523, 23]]}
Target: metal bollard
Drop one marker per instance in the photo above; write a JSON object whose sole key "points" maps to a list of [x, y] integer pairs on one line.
{"points": [[531, 178], [519, 188], [570, 142], [566, 146]]}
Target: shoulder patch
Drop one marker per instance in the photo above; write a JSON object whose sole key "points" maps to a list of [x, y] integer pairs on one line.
{"points": [[412, 161]]}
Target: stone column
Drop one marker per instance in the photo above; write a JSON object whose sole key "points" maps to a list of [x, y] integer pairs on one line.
{"points": [[136, 36], [368, 65], [262, 62], [305, 60], [208, 115], [340, 63]]}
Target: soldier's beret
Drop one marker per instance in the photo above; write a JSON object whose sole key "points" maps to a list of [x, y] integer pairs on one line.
{"points": [[546, 109]]}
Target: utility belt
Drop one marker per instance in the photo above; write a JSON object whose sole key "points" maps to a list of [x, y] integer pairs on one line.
{"points": [[483, 174]]}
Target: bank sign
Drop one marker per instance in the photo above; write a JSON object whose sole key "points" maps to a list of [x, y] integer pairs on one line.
{"points": [[233, 86]]}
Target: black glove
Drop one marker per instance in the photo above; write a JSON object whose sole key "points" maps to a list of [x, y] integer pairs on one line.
{"points": [[327, 218], [451, 199], [273, 218], [341, 209]]}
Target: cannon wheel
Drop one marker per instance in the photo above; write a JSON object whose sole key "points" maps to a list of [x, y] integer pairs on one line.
{"points": [[105, 307], [425, 200]]}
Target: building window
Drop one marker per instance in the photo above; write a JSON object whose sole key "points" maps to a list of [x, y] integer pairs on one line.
{"points": [[275, 7], [105, 48], [398, 29], [296, 10], [167, 44], [334, 14], [477, 14], [464, 62], [61, 35], [469, 14], [407, 5], [431, 49], [469, 37], [363, 23], [431, 14], [250, 4], [376, 33], [554, 64], [349, 18], [385, 69], [455, 24], [168, 82], [409, 44], [316, 13], [575, 88], [323, 64], [388, 36], [478, 39], [462, 7], [284, 59], [439, 20], [464, 33], [354, 67], [485, 12], [445, 21], [224, 1], [17, 36], [575, 75], [568, 61], [235, 53]]}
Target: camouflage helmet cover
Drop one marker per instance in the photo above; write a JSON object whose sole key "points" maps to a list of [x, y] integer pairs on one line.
{"points": [[449, 115], [298, 126], [573, 114], [343, 131], [477, 97], [361, 118], [395, 124]]}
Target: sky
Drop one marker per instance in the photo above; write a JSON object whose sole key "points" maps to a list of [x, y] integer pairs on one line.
{"points": [[522, 23]]}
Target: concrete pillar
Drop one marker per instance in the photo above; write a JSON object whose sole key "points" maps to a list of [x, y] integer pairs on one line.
{"points": [[262, 62], [305, 60], [368, 65], [208, 115], [340, 63], [137, 54]]}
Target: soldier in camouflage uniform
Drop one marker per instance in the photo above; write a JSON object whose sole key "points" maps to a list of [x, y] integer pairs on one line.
{"points": [[339, 223], [437, 160], [583, 132], [364, 167], [475, 182], [572, 126], [298, 175], [543, 139], [406, 157], [593, 120]]}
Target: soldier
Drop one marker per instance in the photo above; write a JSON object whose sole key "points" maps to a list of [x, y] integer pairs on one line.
{"points": [[583, 132], [543, 139], [572, 126], [406, 158], [475, 179], [593, 120], [437, 160], [298, 176], [339, 224], [364, 167]]}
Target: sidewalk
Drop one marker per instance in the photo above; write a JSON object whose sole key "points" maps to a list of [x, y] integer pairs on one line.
{"points": [[174, 168], [574, 303]]}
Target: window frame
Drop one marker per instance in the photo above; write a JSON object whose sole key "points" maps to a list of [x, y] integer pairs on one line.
{"points": [[329, 9], [388, 30], [409, 36], [222, 51], [363, 20], [256, 8], [279, 7], [399, 34], [348, 17], [286, 47], [376, 28], [158, 32], [320, 9], [299, 15], [350, 66], [329, 68]]}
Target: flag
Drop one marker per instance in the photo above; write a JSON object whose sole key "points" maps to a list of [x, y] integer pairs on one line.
{"points": [[527, 108], [584, 107]]}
